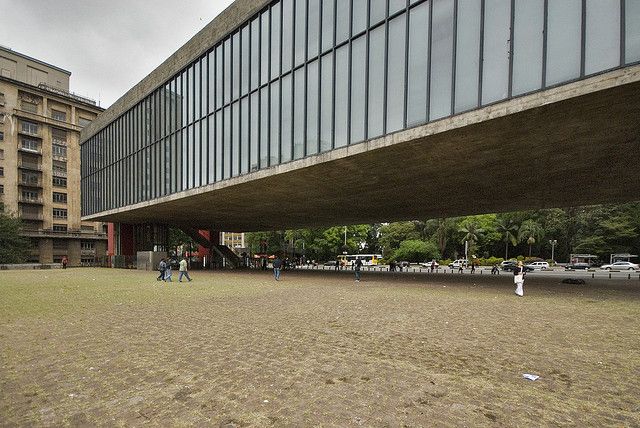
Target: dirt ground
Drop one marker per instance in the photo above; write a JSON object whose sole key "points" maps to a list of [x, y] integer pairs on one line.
{"points": [[101, 347]]}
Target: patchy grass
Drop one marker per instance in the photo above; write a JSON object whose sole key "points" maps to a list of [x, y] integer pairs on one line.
{"points": [[115, 347]]}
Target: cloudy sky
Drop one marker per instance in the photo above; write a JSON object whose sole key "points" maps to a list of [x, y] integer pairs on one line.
{"points": [[107, 45]]}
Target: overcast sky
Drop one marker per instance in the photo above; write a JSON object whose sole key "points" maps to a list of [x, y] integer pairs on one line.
{"points": [[107, 45]]}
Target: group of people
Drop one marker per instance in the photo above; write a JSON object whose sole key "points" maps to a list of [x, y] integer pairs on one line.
{"points": [[166, 273]]}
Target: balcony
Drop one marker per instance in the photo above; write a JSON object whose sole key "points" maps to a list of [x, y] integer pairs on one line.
{"points": [[31, 216], [27, 200], [58, 173], [30, 183], [29, 165], [50, 233], [37, 151]]}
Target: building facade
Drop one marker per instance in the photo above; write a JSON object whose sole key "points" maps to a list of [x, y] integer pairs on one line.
{"points": [[40, 123], [299, 78]]}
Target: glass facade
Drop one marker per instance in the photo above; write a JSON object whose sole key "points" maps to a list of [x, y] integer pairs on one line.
{"points": [[306, 77]]}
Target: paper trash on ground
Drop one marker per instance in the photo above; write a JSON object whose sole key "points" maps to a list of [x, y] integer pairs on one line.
{"points": [[530, 376]]}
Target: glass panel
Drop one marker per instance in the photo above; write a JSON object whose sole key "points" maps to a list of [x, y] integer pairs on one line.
{"points": [[264, 127], [287, 34], [467, 54], [342, 96], [359, 16], [358, 61], [185, 160], [255, 131], [342, 20], [396, 5], [235, 138], [195, 101], [285, 145], [326, 103], [497, 35], [219, 85], [327, 24], [190, 156], [244, 135], [227, 71], [197, 167], [602, 39], [441, 59], [275, 40], [203, 94], [255, 53], [377, 11], [632, 31], [212, 149], [418, 55], [563, 40], [226, 168], [298, 114], [300, 42], [313, 35], [395, 72], [244, 67], [264, 50], [376, 81], [274, 140], [204, 150], [527, 46], [312, 108], [212, 84], [235, 79]]}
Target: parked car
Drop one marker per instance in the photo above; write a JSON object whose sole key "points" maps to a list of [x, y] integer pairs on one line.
{"points": [[577, 266], [331, 263], [508, 262], [457, 263], [538, 265], [511, 266], [620, 266], [428, 264]]}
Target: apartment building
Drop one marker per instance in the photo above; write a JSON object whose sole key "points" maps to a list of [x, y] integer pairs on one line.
{"points": [[40, 123]]}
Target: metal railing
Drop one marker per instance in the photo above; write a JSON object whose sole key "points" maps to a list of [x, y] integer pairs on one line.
{"points": [[66, 94], [31, 216], [29, 165], [27, 200]]}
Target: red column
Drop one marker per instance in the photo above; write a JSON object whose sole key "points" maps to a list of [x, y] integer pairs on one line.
{"points": [[204, 251], [111, 239]]}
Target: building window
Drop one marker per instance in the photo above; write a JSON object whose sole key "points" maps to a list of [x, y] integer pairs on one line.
{"points": [[59, 136], [29, 178], [1, 136], [87, 228], [59, 115], [60, 244], [60, 181], [82, 122], [29, 106], [59, 151], [59, 227], [1, 171], [59, 213], [30, 196], [59, 168], [1, 189], [87, 245], [1, 153], [29, 144], [59, 198], [29, 128]]}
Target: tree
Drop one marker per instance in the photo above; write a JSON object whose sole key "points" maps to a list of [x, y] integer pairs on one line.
{"points": [[416, 251], [509, 234], [14, 248], [530, 231], [392, 234], [472, 233]]}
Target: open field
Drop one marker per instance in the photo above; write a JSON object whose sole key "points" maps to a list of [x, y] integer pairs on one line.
{"points": [[86, 347]]}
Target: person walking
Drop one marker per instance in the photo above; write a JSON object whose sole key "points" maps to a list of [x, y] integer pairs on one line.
{"points": [[357, 266], [277, 266], [183, 270], [168, 272], [65, 261], [161, 267], [518, 278]]}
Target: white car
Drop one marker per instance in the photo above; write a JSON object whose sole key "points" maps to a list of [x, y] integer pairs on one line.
{"points": [[457, 263], [538, 265], [620, 266]]}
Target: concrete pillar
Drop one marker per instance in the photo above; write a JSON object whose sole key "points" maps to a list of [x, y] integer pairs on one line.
{"points": [[45, 247], [127, 240], [101, 249], [74, 252], [111, 239]]}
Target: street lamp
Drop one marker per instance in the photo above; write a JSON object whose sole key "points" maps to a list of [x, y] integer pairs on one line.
{"points": [[553, 243]]}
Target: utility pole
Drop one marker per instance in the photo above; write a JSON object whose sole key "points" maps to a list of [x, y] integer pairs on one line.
{"points": [[553, 243]]}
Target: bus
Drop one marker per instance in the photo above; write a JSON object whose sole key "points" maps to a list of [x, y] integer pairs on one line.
{"points": [[367, 259]]}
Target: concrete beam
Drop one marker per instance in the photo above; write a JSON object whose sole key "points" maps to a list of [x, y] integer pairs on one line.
{"points": [[576, 144]]}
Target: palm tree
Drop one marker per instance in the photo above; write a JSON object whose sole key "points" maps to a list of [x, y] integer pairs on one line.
{"points": [[508, 230], [531, 231], [472, 233]]}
